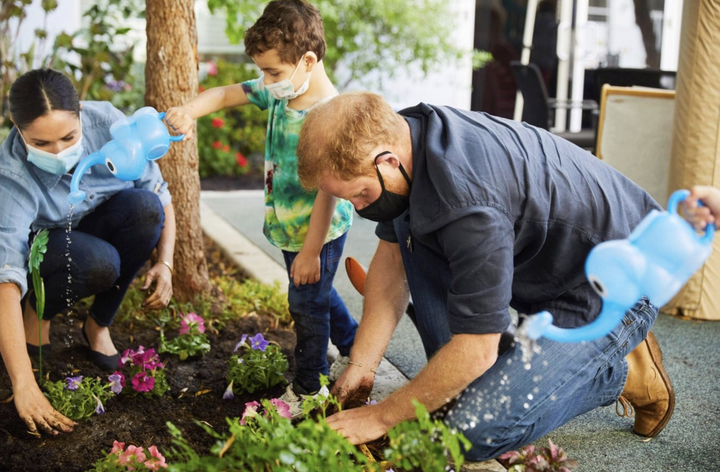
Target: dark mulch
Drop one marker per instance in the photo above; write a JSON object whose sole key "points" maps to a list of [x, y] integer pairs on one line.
{"points": [[133, 420]]}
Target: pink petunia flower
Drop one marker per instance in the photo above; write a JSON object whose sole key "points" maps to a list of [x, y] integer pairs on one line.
{"points": [[282, 408], [117, 447], [250, 411], [142, 382], [212, 68], [156, 460], [190, 321]]}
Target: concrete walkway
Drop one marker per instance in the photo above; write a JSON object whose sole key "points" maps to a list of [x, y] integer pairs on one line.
{"points": [[600, 440]]}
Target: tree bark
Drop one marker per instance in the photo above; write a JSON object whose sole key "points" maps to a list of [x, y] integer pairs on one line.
{"points": [[171, 79]]}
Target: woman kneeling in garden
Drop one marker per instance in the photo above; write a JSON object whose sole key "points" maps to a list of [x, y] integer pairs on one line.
{"points": [[113, 232]]}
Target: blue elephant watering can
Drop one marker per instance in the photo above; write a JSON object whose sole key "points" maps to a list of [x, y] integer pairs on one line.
{"points": [[655, 261], [137, 140]]}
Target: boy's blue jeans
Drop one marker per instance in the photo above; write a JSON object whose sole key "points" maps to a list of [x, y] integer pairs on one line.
{"points": [[510, 406], [320, 315], [107, 249]]}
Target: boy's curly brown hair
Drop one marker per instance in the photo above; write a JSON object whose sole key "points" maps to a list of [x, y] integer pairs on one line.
{"points": [[293, 27]]}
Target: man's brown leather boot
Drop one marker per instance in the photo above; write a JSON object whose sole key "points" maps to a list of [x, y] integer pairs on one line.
{"points": [[648, 389]]}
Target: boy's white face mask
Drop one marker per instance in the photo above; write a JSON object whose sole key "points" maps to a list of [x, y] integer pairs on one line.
{"points": [[284, 89]]}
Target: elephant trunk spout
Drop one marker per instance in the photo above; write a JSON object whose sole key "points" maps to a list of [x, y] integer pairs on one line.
{"points": [[76, 195], [540, 325]]}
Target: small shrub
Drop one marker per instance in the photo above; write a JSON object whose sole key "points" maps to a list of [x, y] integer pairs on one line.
{"points": [[546, 459], [259, 367], [80, 397], [191, 340], [425, 444], [147, 373], [133, 458]]}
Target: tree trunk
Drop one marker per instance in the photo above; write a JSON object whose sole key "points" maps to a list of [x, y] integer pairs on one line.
{"points": [[171, 80]]}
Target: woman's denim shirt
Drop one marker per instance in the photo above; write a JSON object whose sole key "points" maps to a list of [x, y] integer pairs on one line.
{"points": [[32, 199]]}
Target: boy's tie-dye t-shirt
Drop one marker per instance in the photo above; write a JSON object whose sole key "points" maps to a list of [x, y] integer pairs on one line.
{"points": [[287, 204]]}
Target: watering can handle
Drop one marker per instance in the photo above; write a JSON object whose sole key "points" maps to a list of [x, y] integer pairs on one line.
{"points": [[179, 137], [675, 199]]}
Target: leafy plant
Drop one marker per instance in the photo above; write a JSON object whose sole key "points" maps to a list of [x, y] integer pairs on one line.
{"points": [[14, 62], [37, 254], [79, 397], [253, 296], [363, 36], [546, 459], [232, 141], [99, 69], [191, 341], [259, 367], [425, 443], [147, 373], [134, 458], [271, 444]]}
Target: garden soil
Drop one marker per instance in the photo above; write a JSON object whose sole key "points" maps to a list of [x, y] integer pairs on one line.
{"points": [[196, 388]]}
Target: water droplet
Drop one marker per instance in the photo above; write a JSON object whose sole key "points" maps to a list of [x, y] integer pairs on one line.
{"points": [[472, 424], [528, 366], [530, 397], [488, 416], [553, 397], [526, 405], [488, 440]]}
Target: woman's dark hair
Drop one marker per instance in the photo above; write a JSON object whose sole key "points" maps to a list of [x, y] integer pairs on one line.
{"points": [[38, 92]]}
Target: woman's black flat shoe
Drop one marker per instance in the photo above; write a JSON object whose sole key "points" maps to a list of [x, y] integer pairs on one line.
{"points": [[35, 350], [101, 360]]}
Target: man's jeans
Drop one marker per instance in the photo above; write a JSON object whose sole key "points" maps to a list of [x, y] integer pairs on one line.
{"points": [[107, 249], [320, 315], [515, 403]]}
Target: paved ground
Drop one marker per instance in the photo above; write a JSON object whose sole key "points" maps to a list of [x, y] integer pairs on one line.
{"points": [[600, 441]]}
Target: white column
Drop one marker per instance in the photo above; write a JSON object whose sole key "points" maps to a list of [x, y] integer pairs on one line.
{"points": [[525, 56], [564, 45], [578, 76]]}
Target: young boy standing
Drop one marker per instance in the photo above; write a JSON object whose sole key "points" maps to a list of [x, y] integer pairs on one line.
{"points": [[287, 43]]}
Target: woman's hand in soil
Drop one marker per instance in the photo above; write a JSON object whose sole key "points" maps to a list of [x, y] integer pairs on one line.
{"points": [[38, 414], [361, 425], [305, 268], [161, 275]]}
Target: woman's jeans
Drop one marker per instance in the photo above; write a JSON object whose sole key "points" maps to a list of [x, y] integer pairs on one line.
{"points": [[515, 403], [320, 315], [106, 251]]}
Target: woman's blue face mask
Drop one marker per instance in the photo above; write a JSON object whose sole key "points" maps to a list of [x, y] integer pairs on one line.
{"points": [[59, 163]]}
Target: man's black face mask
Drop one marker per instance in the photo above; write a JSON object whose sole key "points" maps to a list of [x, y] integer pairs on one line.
{"points": [[389, 205]]}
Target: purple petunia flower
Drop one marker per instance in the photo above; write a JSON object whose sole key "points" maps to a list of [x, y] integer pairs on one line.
{"points": [[99, 409], [73, 382], [241, 343], [258, 342], [117, 382], [229, 395]]}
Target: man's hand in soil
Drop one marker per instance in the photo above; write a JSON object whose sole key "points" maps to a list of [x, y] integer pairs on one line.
{"points": [[36, 411], [361, 425], [354, 386]]}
